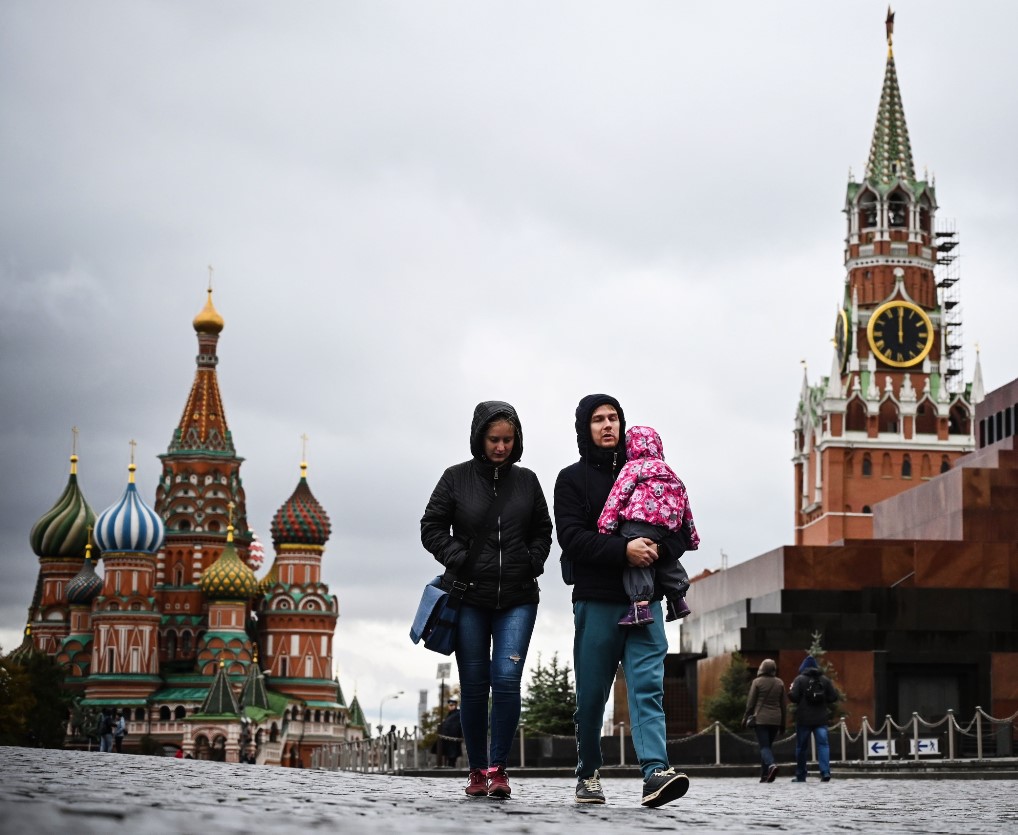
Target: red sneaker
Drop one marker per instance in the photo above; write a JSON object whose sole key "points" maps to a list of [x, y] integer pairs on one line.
{"points": [[498, 782], [477, 783]]}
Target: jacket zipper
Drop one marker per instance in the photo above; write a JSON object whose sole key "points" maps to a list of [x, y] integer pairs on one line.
{"points": [[498, 532]]}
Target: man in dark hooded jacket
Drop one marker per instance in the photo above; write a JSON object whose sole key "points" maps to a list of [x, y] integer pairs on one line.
{"points": [[812, 693], [594, 562]]}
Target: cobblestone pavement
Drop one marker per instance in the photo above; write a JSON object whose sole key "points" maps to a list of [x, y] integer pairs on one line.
{"points": [[44, 792]]}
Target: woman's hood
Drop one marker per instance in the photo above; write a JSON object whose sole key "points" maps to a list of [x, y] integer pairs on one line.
{"points": [[484, 413]]}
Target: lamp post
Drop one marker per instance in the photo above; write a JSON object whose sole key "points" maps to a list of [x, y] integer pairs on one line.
{"points": [[381, 704]]}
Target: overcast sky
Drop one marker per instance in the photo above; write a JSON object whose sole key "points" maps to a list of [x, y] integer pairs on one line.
{"points": [[411, 207]]}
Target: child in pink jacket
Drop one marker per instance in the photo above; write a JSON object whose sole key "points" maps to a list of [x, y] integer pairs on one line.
{"points": [[649, 500]]}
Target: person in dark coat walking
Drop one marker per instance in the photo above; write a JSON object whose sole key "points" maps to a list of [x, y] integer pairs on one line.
{"points": [[765, 706], [812, 693], [450, 732], [595, 562], [499, 608]]}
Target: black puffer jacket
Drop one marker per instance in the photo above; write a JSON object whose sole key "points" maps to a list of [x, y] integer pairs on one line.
{"points": [[515, 550]]}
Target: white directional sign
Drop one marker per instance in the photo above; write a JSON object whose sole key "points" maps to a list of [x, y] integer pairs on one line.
{"points": [[878, 748], [926, 746]]}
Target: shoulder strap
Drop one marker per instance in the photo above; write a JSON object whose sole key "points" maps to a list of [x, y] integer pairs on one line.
{"points": [[459, 586]]}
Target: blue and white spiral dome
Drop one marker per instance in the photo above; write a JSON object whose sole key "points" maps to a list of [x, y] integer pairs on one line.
{"points": [[130, 524]]}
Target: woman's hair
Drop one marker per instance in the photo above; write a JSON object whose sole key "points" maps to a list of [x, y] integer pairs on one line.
{"points": [[508, 418]]}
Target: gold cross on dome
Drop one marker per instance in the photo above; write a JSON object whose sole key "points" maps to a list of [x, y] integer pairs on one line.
{"points": [[132, 443], [74, 440], [210, 277]]}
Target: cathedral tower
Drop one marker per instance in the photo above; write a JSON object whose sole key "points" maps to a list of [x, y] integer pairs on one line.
{"points": [[125, 618], [892, 411], [199, 481]]}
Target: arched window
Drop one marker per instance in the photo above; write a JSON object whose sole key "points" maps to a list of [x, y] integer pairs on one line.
{"points": [[179, 712], [866, 509], [283, 668], [868, 210], [855, 417], [185, 644], [958, 420], [294, 713], [925, 419], [945, 464], [897, 210], [110, 658], [178, 575], [164, 714], [171, 645], [888, 416], [273, 732], [867, 465], [906, 466], [318, 716], [886, 467], [139, 714]]}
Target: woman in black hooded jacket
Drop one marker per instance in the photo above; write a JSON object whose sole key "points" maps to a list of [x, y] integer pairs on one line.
{"points": [[499, 607]]}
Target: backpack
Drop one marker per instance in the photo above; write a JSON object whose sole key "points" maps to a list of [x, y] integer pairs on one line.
{"points": [[815, 692]]}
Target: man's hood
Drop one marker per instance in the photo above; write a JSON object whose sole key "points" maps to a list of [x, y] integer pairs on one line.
{"points": [[584, 410], [808, 665]]}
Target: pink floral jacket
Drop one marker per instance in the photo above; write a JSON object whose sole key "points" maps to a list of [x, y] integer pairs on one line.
{"points": [[647, 490]]}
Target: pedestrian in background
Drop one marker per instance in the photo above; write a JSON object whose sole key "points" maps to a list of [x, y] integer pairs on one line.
{"points": [[450, 744], [812, 693], [105, 731], [119, 731], [765, 713], [507, 550]]}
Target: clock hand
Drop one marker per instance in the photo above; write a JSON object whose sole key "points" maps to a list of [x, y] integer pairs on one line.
{"points": [[901, 315]]}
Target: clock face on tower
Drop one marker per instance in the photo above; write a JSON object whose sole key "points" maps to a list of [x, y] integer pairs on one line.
{"points": [[841, 337], [900, 334]]}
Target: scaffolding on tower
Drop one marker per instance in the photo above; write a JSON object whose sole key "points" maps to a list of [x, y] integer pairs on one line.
{"points": [[948, 275]]}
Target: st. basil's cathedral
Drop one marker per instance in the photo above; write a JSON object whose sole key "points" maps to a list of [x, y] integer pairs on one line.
{"points": [[179, 632]]}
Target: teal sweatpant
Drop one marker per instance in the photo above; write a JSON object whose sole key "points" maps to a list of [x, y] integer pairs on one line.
{"points": [[599, 644]]}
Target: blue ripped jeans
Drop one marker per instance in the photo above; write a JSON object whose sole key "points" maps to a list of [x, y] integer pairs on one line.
{"points": [[491, 649]]}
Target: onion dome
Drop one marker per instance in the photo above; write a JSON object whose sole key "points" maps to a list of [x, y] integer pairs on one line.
{"points": [[63, 530], [130, 524], [255, 553], [228, 578], [85, 586], [208, 319], [23, 653], [301, 520], [270, 579]]}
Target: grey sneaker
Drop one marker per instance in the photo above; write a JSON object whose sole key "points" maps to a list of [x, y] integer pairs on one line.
{"points": [[664, 786], [588, 789]]}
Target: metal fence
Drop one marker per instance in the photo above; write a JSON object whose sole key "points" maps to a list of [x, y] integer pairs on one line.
{"points": [[983, 737]]}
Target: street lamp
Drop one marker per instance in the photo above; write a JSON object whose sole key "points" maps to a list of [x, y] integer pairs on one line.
{"points": [[381, 704]]}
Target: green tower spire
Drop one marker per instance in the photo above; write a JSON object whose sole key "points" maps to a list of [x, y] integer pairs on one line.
{"points": [[890, 152]]}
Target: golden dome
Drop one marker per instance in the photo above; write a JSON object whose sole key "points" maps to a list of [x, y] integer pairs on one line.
{"points": [[208, 320], [228, 578]]}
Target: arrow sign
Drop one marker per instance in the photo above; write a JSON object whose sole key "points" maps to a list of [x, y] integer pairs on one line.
{"points": [[878, 748], [925, 746]]}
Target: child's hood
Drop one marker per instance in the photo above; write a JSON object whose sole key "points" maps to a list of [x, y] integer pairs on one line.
{"points": [[643, 442]]}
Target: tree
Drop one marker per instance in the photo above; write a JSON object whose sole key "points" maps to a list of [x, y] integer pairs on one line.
{"points": [[550, 700], [33, 703], [818, 652], [728, 705]]}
